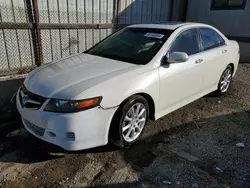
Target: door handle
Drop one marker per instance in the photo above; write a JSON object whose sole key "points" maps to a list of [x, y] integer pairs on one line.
{"points": [[198, 61], [224, 51]]}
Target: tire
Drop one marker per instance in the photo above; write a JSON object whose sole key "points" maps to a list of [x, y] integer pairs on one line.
{"points": [[225, 77], [124, 117]]}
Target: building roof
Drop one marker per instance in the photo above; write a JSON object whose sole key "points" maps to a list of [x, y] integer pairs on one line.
{"points": [[167, 25]]}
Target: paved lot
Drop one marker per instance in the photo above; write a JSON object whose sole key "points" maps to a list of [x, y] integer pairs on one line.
{"points": [[198, 151]]}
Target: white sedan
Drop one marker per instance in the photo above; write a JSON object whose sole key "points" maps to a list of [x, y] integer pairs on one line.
{"points": [[108, 92]]}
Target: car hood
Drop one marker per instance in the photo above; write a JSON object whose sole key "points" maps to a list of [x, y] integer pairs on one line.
{"points": [[68, 77]]}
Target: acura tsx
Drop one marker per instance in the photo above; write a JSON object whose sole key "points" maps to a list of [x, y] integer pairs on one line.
{"points": [[108, 92]]}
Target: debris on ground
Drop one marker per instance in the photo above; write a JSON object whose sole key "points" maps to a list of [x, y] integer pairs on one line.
{"points": [[195, 185], [167, 182], [219, 169], [240, 145]]}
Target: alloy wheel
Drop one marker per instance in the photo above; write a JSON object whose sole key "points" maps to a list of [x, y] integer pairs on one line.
{"points": [[134, 122], [225, 80]]}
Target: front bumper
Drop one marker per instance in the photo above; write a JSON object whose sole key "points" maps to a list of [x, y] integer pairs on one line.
{"points": [[71, 131]]}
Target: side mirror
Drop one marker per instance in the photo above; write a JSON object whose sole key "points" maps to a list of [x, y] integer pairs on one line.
{"points": [[177, 57]]}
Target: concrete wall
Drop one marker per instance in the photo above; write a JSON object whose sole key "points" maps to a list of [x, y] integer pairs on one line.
{"points": [[8, 88], [234, 23]]}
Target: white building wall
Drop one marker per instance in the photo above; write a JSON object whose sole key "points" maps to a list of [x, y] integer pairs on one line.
{"points": [[234, 23]]}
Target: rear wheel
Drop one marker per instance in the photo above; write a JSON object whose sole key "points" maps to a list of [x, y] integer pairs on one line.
{"points": [[129, 121], [225, 81]]}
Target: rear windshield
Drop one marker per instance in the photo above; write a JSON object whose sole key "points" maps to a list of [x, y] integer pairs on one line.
{"points": [[133, 45]]}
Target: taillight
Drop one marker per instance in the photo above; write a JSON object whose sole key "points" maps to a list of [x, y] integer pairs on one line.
{"points": [[239, 51]]}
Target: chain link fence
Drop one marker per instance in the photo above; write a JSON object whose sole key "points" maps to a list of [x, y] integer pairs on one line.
{"points": [[34, 32]]}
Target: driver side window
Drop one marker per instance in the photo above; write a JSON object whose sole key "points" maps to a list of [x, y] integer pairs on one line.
{"points": [[186, 42]]}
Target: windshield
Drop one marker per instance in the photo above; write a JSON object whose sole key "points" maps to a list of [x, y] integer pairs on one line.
{"points": [[133, 45]]}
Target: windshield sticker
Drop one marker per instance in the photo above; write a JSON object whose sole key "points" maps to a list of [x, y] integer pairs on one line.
{"points": [[154, 35]]}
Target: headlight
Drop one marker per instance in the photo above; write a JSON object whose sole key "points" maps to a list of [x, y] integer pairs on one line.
{"points": [[68, 106]]}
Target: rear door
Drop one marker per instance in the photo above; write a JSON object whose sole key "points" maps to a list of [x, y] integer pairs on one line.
{"points": [[214, 56]]}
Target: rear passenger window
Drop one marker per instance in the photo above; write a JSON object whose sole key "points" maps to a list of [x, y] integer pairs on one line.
{"points": [[228, 4], [186, 42], [210, 38]]}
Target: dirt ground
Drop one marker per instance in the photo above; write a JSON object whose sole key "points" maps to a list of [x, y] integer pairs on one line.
{"points": [[194, 146]]}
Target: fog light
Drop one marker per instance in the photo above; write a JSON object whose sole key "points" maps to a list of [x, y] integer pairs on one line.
{"points": [[52, 134], [70, 136]]}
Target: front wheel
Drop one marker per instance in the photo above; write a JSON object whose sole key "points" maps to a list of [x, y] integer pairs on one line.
{"points": [[225, 81], [129, 121]]}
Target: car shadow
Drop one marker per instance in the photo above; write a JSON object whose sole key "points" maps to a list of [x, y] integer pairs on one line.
{"points": [[27, 149], [36, 150], [8, 88]]}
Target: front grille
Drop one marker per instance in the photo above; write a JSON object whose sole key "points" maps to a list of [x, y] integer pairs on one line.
{"points": [[30, 100], [35, 129]]}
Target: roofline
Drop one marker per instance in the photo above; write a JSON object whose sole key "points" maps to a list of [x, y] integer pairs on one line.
{"points": [[178, 25]]}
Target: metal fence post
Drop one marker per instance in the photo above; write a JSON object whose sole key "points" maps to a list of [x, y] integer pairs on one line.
{"points": [[118, 8], [33, 15], [38, 33]]}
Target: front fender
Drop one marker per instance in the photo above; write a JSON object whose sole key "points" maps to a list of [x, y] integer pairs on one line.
{"points": [[116, 90]]}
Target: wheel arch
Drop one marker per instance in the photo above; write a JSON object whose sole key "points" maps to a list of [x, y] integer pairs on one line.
{"points": [[150, 101], [151, 104], [113, 126], [232, 65]]}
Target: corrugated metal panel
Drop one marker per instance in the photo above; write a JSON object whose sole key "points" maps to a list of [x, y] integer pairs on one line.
{"points": [[144, 11], [16, 50]]}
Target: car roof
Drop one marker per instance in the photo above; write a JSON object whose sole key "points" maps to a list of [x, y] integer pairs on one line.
{"points": [[167, 25]]}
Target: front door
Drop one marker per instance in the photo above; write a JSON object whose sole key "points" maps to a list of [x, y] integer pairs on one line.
{"points": [[179, 82]]}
